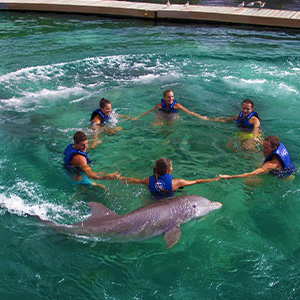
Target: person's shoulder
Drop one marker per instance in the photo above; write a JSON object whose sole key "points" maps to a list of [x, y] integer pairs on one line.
{"points": [[78, 160], [96, 119]]}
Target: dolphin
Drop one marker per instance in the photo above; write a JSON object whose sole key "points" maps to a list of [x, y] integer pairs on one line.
{"points": [[160, 218]]}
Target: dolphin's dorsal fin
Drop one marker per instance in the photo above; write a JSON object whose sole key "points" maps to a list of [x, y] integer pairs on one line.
{"points": [[100, 211], [172, 236]]}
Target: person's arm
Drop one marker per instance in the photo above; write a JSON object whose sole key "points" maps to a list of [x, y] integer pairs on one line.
{"points": [[223, 119], [177, 183], [147, 112], [179, 106], [134, 180], [266, 168], [125, 117], [256, 123], [80, 161]]}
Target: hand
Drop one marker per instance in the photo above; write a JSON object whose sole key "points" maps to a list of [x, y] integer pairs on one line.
{"points": [[224, 176], [256, 139], [115, 175], [204, 118]]}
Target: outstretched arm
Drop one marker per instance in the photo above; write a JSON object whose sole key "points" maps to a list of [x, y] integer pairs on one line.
{"points": [[147, 112], [134, 180], [222, 119], [179, 106], [80, 161], [125, 117], [177, 183], [99, 175], [266, 168]]}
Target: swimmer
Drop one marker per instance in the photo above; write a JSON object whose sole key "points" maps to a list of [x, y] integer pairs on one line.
{"points": [[248, 122], [277, 161], [99, 117], [161, 183], [77, 162], [167, 107]]}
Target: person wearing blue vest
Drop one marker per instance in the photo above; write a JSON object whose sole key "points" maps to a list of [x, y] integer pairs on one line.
{"points": [[248, 123], [277, 161], [102, 114], [76, 162], [99, 117], [167, 109], [161, 183]]}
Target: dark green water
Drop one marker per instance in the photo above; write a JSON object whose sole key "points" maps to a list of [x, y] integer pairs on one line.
{"points": [[53, 71]]}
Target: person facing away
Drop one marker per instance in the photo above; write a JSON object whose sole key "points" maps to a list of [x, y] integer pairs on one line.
{"points": [[169, 106], [277, 161], [161, 183], [76, 162], [247, 121]]}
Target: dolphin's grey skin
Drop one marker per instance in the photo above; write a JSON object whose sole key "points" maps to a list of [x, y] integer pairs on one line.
{"points": [[162, 217]]}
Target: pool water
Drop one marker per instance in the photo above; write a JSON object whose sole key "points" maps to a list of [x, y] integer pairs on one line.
{"points": [[54, 70]]}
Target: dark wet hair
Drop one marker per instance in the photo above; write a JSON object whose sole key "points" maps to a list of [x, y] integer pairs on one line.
{"points": [[103, 102], [161, 168], [166, 92], [79, 136], [273, 140], [248, 101]]}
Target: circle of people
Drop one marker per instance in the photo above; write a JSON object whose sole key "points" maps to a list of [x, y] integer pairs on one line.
{"points": [[161, 184]]}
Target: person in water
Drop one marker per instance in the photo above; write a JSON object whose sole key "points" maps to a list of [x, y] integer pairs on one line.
{"points": [[248, 122], [277, 161], [102, 114], [167, 108], [77, 162], [161, 183], [99, 117]]}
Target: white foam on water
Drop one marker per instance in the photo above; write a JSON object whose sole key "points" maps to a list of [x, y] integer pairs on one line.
{"points": [[40, 98], [25, 198]]}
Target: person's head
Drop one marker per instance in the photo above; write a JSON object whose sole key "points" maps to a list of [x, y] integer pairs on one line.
{"points": [[105, 106], [247, 107], [162, 167], [168, 96], [80, 141], [270, 143]]}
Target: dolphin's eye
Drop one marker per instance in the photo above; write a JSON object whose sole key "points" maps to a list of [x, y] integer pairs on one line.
{"points": [[194, 206]]}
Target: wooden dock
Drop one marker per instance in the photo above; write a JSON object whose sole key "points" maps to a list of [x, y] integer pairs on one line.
{"points": [[152, 11]]}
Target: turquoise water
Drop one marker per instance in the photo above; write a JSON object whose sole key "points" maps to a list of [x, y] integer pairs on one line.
{"points": [[53, 71]]}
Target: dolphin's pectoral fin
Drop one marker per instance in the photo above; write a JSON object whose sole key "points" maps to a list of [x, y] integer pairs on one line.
{"points": [[172, 236]]}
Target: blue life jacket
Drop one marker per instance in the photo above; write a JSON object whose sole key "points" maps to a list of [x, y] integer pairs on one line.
{"points": [[97, 112], [69, 153], [243, 123], [165, 183], [170, 109], [285, 160]]}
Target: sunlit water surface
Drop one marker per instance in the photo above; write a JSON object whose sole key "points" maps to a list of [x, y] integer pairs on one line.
{"points": [[53, 71]]}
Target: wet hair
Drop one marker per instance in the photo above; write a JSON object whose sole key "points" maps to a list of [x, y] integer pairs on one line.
{"points": [[103, 102], [166, 92], [79, 136], [248, 101], [161, 168], [273, 140]]}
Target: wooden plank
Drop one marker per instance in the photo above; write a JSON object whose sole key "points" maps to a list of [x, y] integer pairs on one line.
{"points": [[239, 15]]}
